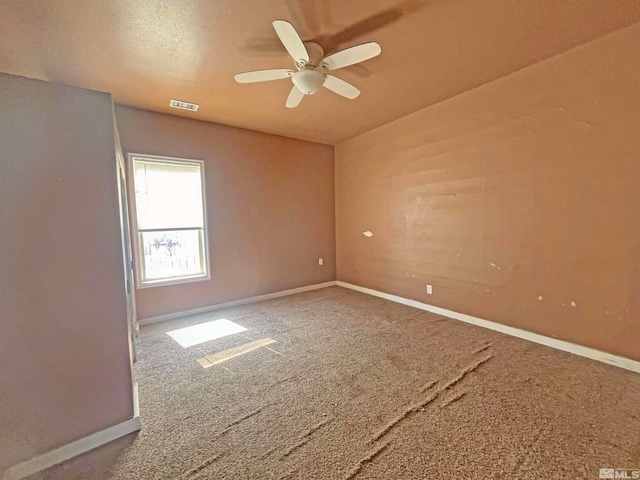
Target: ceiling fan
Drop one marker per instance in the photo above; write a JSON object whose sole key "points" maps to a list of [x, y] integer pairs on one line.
{"points": [[312, 66]]}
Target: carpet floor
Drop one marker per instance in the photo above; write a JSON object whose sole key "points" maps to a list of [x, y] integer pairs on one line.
{"points": [[357, 387]]}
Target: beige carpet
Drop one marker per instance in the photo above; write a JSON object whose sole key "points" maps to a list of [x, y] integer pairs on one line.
{"points": [[357, 387]]}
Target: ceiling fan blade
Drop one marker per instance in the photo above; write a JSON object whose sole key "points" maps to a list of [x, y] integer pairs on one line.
{"points": [[291, 40], [339, 86], [353, 55], [263, 75], [294, 98]]}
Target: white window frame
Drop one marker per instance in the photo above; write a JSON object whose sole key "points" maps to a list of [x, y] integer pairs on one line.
{"points": [[135, 232]]}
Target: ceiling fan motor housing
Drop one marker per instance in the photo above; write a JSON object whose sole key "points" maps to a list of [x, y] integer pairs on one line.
{"points": [[308, 81]]}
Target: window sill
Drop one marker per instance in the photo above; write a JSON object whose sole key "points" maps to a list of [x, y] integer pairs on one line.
{"points": [[172, 281]]}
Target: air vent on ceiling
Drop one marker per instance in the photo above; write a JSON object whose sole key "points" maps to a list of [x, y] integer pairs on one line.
{"points": [[193, 107]]}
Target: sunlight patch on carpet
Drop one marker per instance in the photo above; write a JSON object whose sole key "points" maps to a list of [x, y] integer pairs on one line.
{"points": [[203, 332], [214, 359]]}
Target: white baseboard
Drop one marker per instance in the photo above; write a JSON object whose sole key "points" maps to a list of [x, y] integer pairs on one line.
{"points": [[136, 401], [592, 353], [235, 303], [71, 450]]}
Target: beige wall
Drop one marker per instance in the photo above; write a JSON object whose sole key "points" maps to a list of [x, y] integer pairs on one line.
{"points": [[526, 187], [64, 354], [270, 206]]}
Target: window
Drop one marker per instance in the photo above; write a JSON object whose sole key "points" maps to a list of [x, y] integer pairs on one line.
{"points": [[170, 220]]}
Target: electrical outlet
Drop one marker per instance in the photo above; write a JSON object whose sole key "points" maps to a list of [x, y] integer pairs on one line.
{"points": [[429, 289], [320, 261]]}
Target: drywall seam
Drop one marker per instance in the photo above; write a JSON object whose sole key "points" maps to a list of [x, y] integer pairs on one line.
{"points": [[243, 301], [604, 357], [41, 462]]}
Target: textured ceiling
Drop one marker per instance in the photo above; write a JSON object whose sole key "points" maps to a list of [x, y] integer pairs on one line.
{"points": [[146, 52]]}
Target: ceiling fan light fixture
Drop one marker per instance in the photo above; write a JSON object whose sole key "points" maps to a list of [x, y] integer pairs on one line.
{"points": [[310, 62], [308, 81]]}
